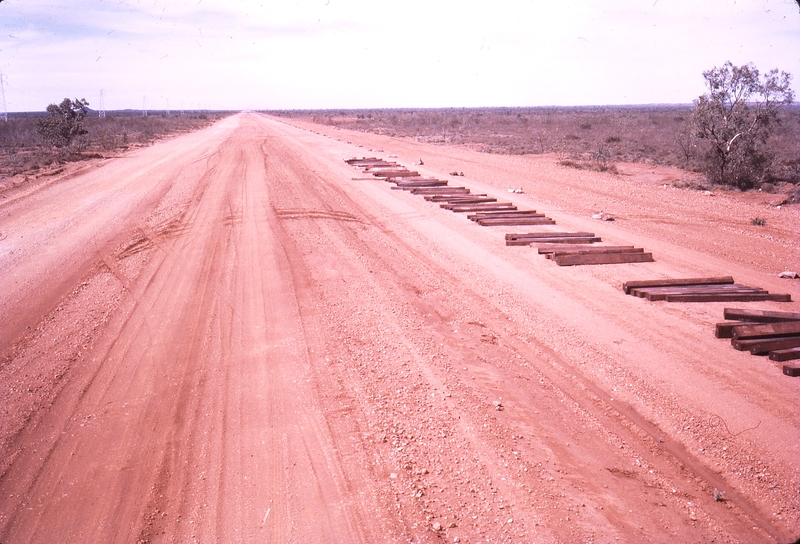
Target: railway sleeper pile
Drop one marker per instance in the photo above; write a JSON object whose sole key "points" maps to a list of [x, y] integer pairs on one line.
{"points": [[775, 334], [576, 248], [564, 248], [715, 289], [483, 209]]}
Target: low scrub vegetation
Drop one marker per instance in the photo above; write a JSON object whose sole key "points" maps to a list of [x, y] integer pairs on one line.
{"points": [[32, 143], [583, 137]]}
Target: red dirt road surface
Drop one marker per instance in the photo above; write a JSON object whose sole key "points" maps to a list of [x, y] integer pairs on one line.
{"points": [[224, 337]]}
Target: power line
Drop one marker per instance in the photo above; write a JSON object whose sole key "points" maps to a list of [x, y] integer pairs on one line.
{"points": [[4, 113]]}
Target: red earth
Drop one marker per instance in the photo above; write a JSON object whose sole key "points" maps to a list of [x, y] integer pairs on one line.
{"points": [[226, 337]]}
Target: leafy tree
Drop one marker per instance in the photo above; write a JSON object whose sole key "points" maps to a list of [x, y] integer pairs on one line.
{"points": [[63, 123], [734, 121]]}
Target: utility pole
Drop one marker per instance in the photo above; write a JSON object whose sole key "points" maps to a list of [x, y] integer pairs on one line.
{"points": [[102, 104], [144, 106], [4, 113]]}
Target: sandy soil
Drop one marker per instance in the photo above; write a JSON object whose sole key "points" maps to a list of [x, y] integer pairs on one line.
{"points": [[224, 337]]}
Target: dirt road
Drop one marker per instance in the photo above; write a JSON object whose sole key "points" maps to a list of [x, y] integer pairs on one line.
{"points": [[224, 337]]}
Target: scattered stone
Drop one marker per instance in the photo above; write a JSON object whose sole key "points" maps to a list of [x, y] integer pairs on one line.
{"points": [[437, 526], [518, 191], [498, 405], [602, 216], [789, 274]]}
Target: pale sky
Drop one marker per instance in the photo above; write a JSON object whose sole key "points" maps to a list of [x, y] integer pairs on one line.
{"points": [[270, 54]]}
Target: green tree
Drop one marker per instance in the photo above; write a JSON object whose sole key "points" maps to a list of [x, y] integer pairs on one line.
{"points": [[63, 123], [734, 121]]}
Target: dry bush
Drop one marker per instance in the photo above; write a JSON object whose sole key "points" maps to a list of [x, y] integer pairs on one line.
{"points": [[645, 134], [689, 183], [23, 152]]}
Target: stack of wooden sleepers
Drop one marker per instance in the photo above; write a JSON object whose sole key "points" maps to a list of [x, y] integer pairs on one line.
{"points": [[574, 248], [485, 210], [760, 332], [719, 289], [551, 239], [565, 248], [381, 168]]}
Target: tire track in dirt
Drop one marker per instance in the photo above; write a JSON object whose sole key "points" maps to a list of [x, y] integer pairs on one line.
{"points": [[201, 391], [412, 282], [63, 226], [684, 458], [297, 357]]}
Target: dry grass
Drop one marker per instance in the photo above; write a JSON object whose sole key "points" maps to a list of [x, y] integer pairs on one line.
{"points": [[583, 137], [21, 151]]}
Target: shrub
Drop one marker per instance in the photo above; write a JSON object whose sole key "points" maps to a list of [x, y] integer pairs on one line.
{"points": [[63, 123], [735, 120]]}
